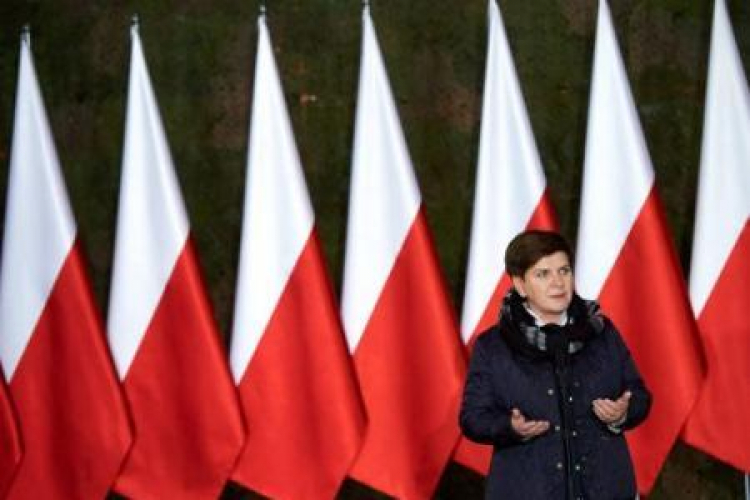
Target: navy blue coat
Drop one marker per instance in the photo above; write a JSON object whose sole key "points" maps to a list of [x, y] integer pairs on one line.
{"points": [[579, 456]]}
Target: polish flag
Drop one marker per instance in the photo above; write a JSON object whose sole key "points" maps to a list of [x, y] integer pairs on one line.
{"points": [[398, 319], [289, 357], [188, 427], [10, 441], [627, 261], [510, 196], [61, 380], [720, 271]]}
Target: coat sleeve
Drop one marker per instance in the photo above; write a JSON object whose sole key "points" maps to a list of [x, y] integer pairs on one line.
{"points": [[482, 417], [640, 401]]}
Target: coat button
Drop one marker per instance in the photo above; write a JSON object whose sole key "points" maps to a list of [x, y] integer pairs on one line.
{"points": [[578, 467], [557, 428], [570, 399], [574, 433], [559, 465], [551, 392]]}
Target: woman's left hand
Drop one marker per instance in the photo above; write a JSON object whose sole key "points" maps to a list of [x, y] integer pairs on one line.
{"points": [[612, 412]]}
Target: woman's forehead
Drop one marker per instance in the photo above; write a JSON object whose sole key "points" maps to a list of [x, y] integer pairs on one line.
{"points": [[552, 261]]}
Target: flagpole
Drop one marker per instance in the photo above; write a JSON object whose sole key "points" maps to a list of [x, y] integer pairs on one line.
{"points": [[747, 486], [26, 35]]}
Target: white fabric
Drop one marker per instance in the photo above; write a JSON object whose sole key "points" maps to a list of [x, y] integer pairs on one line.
{"points": [[39, 225], [278, 217], [152, 226], [618, 175], [384, 197], [562, 320], [510, 181], [723, 204]]}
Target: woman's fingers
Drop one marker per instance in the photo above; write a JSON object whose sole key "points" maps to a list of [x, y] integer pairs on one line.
{"points": [[609, 411], [527, 428], [532, 428]]}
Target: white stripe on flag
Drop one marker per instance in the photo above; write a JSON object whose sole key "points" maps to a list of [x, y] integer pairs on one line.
{"points": [[616, 161], [510, 181], [277, 218], [384, 192], [38, 236], [724, 182], [152, 226]]}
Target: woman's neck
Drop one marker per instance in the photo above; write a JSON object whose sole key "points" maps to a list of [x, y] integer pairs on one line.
{"points": [[561, 320]]}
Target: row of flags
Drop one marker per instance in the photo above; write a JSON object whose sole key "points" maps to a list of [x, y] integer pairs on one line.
{"points": [[154, 408]]}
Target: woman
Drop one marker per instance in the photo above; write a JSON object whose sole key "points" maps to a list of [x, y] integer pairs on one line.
{"points": [[552, 386]]}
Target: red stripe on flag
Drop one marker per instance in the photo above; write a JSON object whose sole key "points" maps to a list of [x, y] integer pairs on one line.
{"points": [[10, 444], [70, 410], [645, 297], [302, 407], [410, 367], [184, 406], [469, 454], [718, 424]]}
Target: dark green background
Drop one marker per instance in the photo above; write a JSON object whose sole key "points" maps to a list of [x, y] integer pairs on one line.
{"points": [[201, 57]]}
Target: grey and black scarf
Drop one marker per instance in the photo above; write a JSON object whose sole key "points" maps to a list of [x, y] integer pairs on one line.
{"points": [[522, 333]]}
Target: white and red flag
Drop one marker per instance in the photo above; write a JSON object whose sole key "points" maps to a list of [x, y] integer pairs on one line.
{"points": [[288, 354], [10, 441], [397, 316], [510, 196], [71, 413], [626, 258], [188, 426], [720, 270]]}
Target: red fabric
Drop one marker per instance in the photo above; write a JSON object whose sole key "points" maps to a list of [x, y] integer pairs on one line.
{"points": [[10, 442], [411, 368], [70, 409], [645, 297], [188, 429], [719, 422], [469, 454], [304, 417]]}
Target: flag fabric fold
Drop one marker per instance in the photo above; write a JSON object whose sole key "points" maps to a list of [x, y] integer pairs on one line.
{"points": [[626, 259], [61, 380], [510, 196], [188, 426], [288, 353], [397, 316], [720, 269], [10, 441]]}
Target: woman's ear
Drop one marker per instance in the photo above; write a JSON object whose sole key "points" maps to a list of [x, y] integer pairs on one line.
{"points": [[518, 284]]}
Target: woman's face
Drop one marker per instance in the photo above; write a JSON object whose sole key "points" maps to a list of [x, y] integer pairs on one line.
{"points": [[547, 286]]}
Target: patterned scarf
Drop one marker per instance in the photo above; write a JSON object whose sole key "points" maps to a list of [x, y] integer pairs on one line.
{"points": [[522, 332]]}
